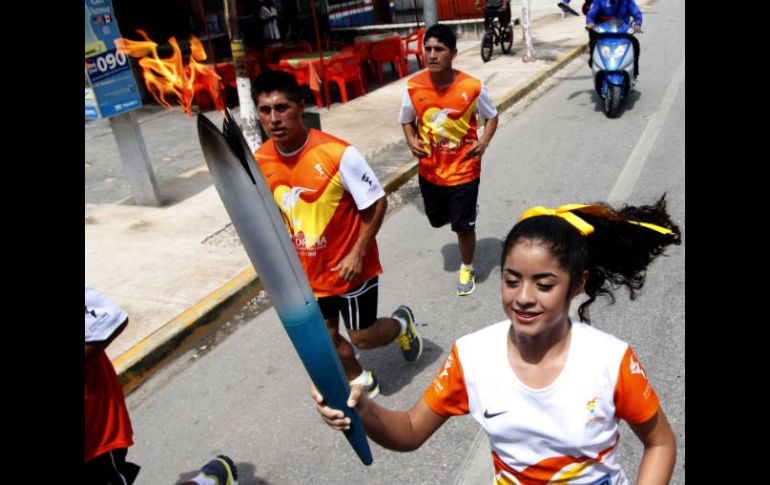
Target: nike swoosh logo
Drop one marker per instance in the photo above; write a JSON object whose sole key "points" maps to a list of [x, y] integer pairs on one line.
{"points": [[488, 416]]}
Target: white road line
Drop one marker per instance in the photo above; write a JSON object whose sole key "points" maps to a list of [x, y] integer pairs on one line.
{"points": [[626, 181]]}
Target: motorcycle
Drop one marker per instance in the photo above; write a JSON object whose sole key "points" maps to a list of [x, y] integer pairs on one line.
{"points": [[613, 63]]}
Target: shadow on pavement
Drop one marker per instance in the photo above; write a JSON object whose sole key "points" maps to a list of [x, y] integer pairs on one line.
{"points": [[393, 372], [486, 257]]}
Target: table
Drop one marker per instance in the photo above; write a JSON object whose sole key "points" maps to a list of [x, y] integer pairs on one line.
{"points": [[312, 63]]}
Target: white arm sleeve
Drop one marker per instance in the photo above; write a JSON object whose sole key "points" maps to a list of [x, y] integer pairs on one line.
{"points": [[358, 178], [485, 107], [407, 114], [102, 316]]}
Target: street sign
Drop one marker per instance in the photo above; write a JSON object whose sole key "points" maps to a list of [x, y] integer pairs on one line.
{"points": [[109, 71]]}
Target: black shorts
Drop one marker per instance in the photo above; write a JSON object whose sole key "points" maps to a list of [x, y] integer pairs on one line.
{"points": [[110, 468], [358, 306], [456, 203], [504, 17]]}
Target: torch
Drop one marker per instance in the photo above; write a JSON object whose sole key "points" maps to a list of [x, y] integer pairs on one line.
{"points": [[259, 224]]}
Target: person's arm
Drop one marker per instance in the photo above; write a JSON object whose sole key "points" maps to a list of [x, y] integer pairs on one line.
{"points": [[350, 266], [416, 145], [395, 430], [480, 145], [94, 348], [659, 454], [408, 119], [637, 15], [486, 108], [592, 12]]}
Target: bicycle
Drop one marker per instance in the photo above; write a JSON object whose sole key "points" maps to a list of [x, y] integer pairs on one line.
{"points": [[496, 35]]}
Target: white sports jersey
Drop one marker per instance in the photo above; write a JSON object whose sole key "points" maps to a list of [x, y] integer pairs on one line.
{"points": [[563, 433]]}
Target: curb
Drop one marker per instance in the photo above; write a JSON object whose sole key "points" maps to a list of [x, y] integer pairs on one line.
{"points": [[142, 360]]}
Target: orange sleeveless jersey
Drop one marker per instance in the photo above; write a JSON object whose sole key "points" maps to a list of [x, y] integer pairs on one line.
{"points": [[446, 122], [321, 216]]}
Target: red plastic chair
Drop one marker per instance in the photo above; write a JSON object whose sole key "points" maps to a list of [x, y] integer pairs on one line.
{"points": [[415, 36], [341, 72], [302, 76], [361, 50], [389, 50], [227, 72]]}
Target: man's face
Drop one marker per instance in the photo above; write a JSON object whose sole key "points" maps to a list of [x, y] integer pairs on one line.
{"points": [[282, 119], [438, 56]]}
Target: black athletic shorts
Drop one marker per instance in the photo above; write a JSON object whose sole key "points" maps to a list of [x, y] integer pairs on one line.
{"points": [[504, 16], [111, 468], [456, 203], [358, 306]]}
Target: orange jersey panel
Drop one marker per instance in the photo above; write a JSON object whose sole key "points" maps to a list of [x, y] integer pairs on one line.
{"points": [[320, 215], [447, 122], [635, 400], [447, 395]]}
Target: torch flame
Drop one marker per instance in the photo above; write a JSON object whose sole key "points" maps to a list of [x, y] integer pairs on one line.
{"points": [[169, 80]]}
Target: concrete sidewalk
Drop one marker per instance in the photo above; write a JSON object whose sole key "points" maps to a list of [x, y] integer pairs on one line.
{"points": [[179, 270]]}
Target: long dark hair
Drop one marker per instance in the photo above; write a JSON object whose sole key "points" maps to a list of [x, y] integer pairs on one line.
{"points": [[617, 253]]}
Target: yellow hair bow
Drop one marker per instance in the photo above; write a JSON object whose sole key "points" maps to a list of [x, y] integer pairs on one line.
{"points": [[565, 212]]}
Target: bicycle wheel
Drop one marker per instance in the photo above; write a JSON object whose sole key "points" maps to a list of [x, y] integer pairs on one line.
{"points": [[487, 43], [507, 39]]}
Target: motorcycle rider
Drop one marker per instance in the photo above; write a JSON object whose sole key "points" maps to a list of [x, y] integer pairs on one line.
{"points": [[603, 10]]}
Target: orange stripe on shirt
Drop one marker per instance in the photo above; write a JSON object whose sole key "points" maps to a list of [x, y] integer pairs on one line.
{"points": [[546, 470]]}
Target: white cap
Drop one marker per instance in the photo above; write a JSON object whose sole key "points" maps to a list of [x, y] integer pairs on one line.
{"points": [[102, 316]]}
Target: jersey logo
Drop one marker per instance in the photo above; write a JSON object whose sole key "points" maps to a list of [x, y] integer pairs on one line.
{"points": [[636, 368], [593, 418], [320, 169], [465, 96], [366, 179], [437, 121], [489, 415], [289, 201]]}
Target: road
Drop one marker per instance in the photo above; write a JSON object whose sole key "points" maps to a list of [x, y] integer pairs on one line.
{"points": [[247, 395]]}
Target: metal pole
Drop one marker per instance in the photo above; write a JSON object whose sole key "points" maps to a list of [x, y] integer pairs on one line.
{"points": [[136, 162], [248, 110], [318, 45], [429, 12], [206, 30]]}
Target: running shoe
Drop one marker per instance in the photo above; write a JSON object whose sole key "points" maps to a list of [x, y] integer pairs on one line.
{"points": [[409, 340], [222, 469], [467, 282]]}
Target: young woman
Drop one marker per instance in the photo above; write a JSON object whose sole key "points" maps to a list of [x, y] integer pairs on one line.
{"points": [[549, 390]]}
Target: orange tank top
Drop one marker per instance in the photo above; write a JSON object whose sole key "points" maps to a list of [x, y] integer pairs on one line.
{"points": [[446, 122], [320, 215]]}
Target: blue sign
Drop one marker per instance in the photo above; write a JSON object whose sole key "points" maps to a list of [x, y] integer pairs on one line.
{"points": [[109, 71]]}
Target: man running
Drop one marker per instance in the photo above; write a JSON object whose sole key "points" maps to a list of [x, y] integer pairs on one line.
{"points": [[439, 115], [333, 206]]}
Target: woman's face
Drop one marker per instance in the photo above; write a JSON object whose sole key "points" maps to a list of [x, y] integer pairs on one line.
{"points": [[535, 290]]}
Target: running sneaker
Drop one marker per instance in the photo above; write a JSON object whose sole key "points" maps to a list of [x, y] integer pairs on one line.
{"points": [[222, 469], [409, 340], [372, 387], [467, 282]]}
